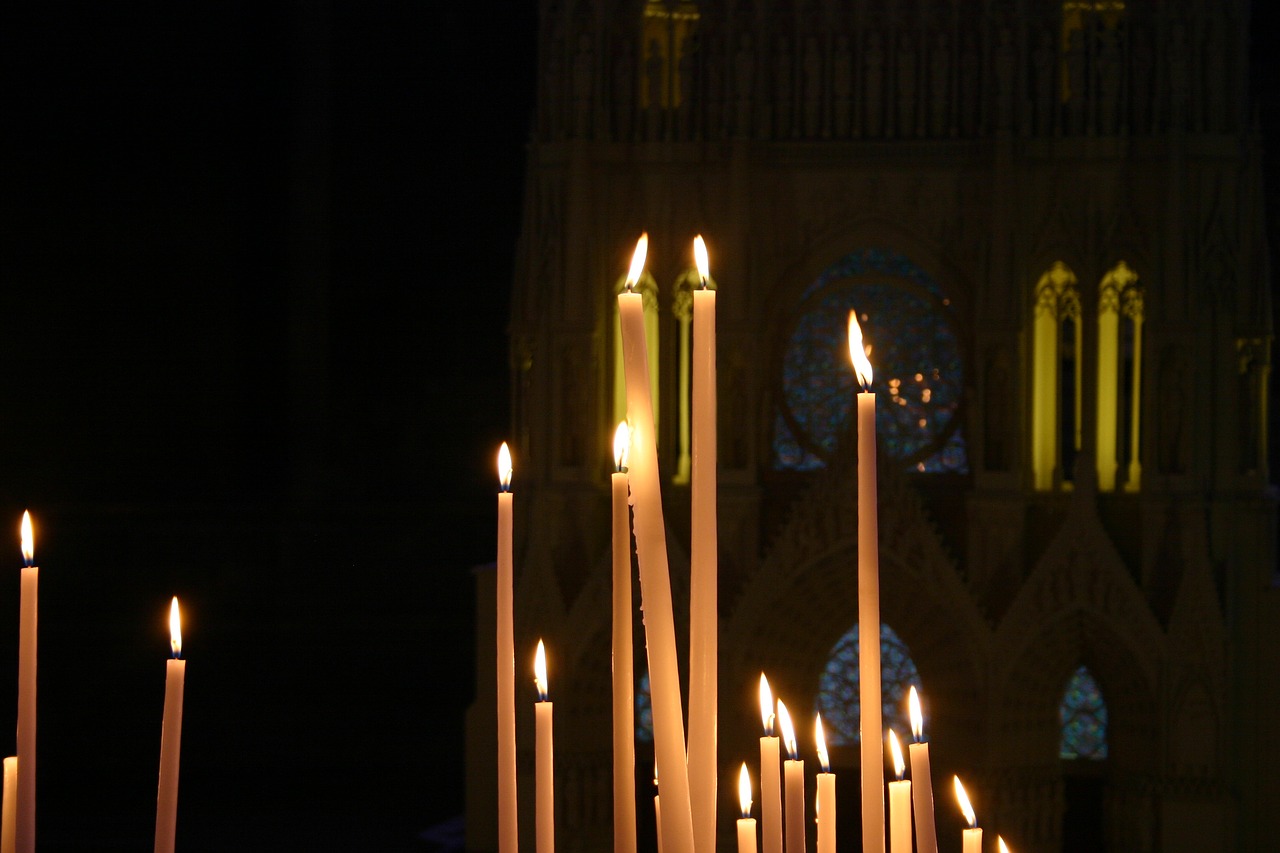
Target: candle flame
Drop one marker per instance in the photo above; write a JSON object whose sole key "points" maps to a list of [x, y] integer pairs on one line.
{"points": [[1001, 846], [823, 760], [700, 258], [899, 767], [175, 628], [963, 799], [637, 261], [788, 733], [621, 445], [504, 467], [540, 673], [861, 364], [28, 539], [744, 791], [917, 718], [766, 706]]}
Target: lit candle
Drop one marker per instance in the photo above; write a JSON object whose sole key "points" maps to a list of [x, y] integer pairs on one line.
{"points": [[922, 787], [544, 796], [899, 802], [825, 805], [868, 603], [770, 775], [28, 610], [175, 678], [9, 810], [793, 778], [624, 732], [746, 823], [1001, 847], [972, 835], [506, 665], [704, 608], [655, 580]]}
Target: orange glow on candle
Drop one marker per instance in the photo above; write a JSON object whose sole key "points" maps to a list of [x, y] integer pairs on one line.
{"points": [[823, 761], [917, 718], [621, 445], [857, 352], [700, 258], [28, 539], [1001, 846], [175, 628], [788, 733], [899, 766], [504, 468], [540, 671], [766, 706], [963, 799], [744, 791]]}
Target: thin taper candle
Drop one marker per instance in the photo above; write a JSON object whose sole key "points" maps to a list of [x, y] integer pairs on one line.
{"points": [[972, 837], [825, 806], [506, 664], [544, 757], [9, 809], [624, 732], [921, 780], [655, 578], [770, 775], [28, 613], [793, 780], [746, 823], [899, 802], [868, 603], [170, 737], [704, 609]]}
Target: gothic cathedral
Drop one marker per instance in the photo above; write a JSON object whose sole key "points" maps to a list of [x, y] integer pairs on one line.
{"points": [[1049, 216]]}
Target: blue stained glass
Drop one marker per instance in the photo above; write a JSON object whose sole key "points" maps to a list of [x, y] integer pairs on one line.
{"points": [[644, 711], [838, 698], [918, 377], [1083, 714]]}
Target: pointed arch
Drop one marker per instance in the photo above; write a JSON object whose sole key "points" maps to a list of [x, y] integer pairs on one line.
{"points": [[1057, 379], [839, 699], [1120, 310], [1082, 714]]}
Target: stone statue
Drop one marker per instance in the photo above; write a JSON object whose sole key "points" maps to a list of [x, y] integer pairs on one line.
{"points": [[873, 80], [842, 85], [906, 86], [939, 71]]}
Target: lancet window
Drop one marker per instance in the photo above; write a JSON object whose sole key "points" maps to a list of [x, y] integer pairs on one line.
{"points": [[915, 353], [666, 52], [1057, 378], [838, 697], [1119, 379], [1083, 715], [648, 290]]}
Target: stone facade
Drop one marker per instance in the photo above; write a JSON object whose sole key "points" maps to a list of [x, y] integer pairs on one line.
{"points": [[984, 141]]}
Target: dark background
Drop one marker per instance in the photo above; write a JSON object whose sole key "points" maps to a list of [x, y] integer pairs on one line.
{"points": [[255, 263]]}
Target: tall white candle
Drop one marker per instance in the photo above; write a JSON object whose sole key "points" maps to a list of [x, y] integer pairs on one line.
{"points": [[770, 775], [746, 823], [704, 607], [868, 603], [826, 801], [544, 751], [793, 779], [899, 802], [972, 836], [175, 678], [624, 732], [28, 612], [655, 580], [506, 665], [921, 779], [9, 809]]}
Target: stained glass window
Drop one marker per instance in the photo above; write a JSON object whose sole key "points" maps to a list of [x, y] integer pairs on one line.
{"points": [[838, 699], [1083, 715], [918, 370], [644, 711]]}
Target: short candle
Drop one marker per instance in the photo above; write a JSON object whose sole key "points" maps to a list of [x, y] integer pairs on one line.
{"points": [[899, 802], [921, 780], [544, 795], [972, 835], [746, 823], [825, 806], [793, 778]]}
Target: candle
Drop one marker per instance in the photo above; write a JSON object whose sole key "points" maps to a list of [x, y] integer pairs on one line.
{"points": [[793, 778], [9, 810], [899, 802], [657, 807], [544, 795], [746, 823], [770, 779], [624, 732], [922, 789], [506, 664], [28, 611], [868, 603], [704, 609], [170, 737], [655, 580], [972, 835], [825, 805]]}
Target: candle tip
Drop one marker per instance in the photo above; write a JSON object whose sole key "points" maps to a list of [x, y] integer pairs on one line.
{"points": [[504, 468], [899, 766], [700, 259], [818, 735], [788, 732], [175, 628], [965, 806], [28, 540], [858, 353], [540, 671], [766, 706], [621, 446], [917, 716], [637, 261], [744, 791]]}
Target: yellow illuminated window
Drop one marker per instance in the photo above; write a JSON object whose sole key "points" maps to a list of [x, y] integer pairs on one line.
{"points": [[1056, 382], [1119, 378]]}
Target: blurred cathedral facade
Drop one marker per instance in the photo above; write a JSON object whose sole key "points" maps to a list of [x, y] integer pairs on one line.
{"points": [[1049, 216]]}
